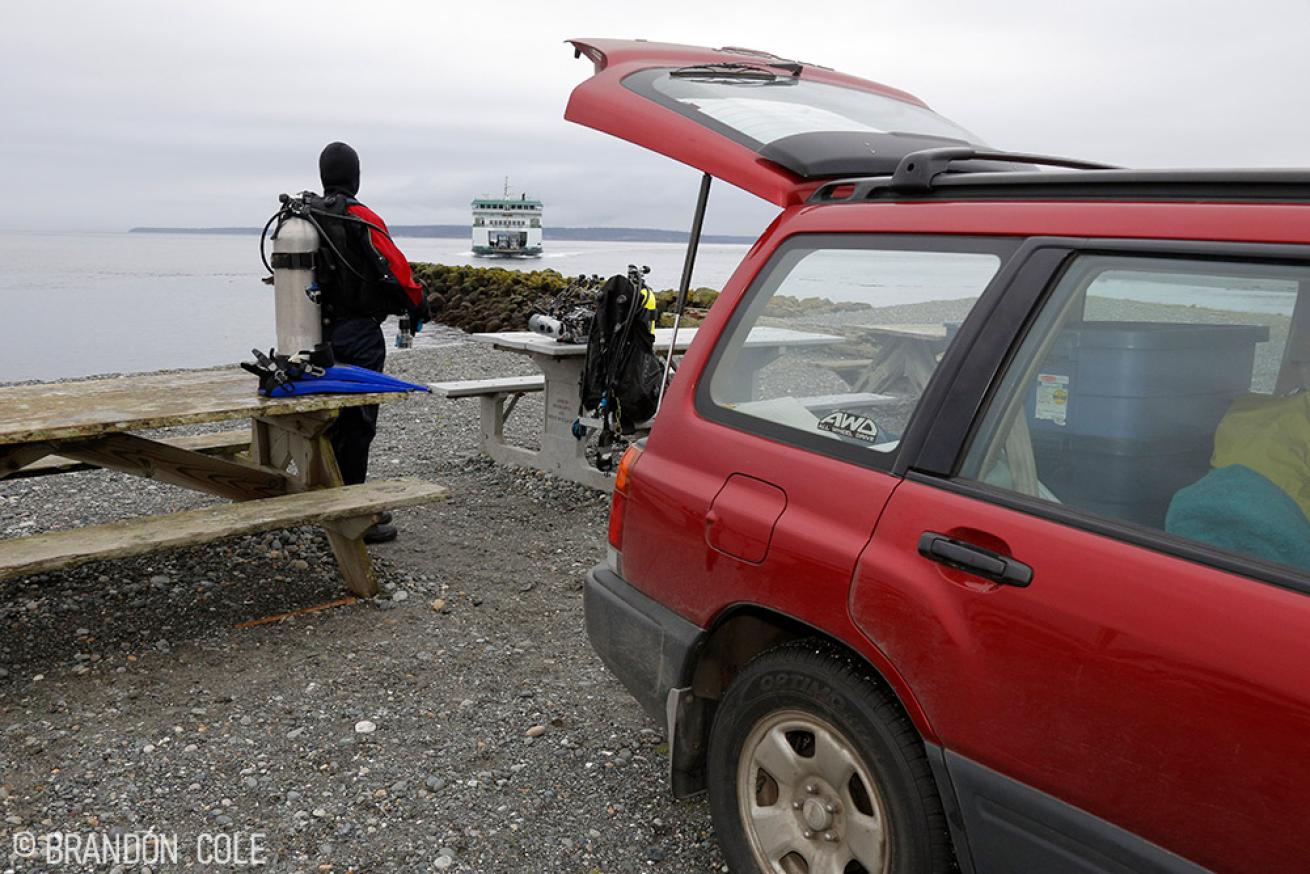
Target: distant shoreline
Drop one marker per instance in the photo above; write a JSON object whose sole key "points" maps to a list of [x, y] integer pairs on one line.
{"points": [[455, 232]]}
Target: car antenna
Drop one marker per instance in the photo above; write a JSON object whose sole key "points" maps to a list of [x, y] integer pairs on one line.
{"points": [[693, 243]]}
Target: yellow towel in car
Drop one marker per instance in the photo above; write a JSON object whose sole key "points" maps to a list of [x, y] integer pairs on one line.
{"points": [[1271, 436]]}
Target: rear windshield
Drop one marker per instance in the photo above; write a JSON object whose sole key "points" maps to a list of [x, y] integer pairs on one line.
{"points": [[756, 106]]}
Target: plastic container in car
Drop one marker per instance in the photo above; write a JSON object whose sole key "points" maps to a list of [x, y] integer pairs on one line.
{"points": [[1123, 414], [1129, 480], [1142, 380]]}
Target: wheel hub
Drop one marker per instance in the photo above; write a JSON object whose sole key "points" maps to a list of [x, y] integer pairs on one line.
{"points": [[816, 814], [808, 802]]}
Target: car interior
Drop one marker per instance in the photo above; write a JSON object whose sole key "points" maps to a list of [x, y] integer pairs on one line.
{"points": [[1165, 394]]}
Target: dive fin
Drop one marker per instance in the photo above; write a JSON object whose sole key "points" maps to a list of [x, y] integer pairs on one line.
{"points": [[351, 373], [324, 386], [343, 379]]}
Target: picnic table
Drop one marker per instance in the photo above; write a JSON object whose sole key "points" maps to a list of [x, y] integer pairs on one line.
{"points": [[561, 364], [53, 428], [907, 354]]}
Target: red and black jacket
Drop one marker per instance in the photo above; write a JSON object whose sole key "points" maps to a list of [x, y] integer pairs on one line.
{"points": [[375, 281]]}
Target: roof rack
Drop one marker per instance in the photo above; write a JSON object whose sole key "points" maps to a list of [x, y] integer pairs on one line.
{"points": [[917, 170], [928, 174]]}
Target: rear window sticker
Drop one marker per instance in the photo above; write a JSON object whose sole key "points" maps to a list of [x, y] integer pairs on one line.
{"points": [[845, 424]]}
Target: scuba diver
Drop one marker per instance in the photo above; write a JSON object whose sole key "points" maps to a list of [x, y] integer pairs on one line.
{"points": [[357, 298]]}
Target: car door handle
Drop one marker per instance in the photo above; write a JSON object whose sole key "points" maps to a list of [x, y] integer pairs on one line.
{"points": [[974, 560]]}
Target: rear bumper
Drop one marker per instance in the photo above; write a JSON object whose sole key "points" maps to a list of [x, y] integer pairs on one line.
{"points": [[643, 643]]}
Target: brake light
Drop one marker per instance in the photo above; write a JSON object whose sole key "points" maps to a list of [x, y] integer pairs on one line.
{"points": [[619, 497], [626, 464]]}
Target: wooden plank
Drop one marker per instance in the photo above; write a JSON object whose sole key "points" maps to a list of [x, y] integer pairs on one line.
{"points": [[820, 404], [90, 407], [220, 443], [317, 465], [471, 388], [936, 331], [15, 458], [308, 425], [62, 549], [226, 478], [840, 363]]}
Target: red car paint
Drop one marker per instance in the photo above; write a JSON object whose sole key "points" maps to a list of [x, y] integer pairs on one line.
{"points": [[603, 103], [1212, 672], [1166, 697]]}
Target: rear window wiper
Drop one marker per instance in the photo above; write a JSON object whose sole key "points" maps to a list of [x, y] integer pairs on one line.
{"points": [[746, 73]]}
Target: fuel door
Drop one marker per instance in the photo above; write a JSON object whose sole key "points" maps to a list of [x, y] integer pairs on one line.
{"points": [[742, 517]]}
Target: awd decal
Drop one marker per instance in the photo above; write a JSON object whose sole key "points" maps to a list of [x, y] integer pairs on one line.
{"points": [[845, 424]]}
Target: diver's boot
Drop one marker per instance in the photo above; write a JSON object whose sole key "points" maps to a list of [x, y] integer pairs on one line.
{"points": [[382, 532], [384, 518]]}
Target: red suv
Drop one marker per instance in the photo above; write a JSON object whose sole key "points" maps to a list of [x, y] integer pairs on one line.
{"points": [[973, 529]]}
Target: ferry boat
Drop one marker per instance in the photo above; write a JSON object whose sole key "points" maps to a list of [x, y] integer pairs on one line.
{"points": [[506, 226]]}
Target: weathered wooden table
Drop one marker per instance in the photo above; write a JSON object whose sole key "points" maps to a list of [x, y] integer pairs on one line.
{"points": [[289, 476], [907, 355], [561, 367]]}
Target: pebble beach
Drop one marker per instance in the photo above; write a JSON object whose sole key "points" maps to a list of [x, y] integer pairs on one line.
{"points": [[459, 722]]}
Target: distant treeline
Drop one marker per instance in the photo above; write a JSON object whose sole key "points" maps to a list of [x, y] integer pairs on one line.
{"points": [[621, 235]]}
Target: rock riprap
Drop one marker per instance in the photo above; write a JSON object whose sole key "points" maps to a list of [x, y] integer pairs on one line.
{"points": [[477, 299]]}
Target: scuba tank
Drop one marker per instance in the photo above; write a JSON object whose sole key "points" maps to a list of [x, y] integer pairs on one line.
{"points": [[298, 315]]}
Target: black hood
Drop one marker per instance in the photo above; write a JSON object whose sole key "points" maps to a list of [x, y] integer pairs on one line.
{"points": [[338, 168]]}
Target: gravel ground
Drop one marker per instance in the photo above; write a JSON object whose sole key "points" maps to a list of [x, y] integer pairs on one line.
{"points": [[460, 722]]}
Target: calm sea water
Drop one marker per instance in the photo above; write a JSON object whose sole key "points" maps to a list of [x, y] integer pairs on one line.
{"points": [[83, 304]]}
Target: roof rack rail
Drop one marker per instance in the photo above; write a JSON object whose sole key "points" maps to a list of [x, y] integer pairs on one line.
{"points": [[1285, 185], [917, 170]]}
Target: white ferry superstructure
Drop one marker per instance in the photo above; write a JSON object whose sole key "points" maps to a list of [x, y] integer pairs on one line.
{"points": [[506, 226]]}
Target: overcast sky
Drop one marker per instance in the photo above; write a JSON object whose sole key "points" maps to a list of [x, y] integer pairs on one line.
{"points": [[118, 113]]}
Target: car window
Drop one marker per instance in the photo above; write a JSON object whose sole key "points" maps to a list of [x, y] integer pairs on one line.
{"points": [[1166, 393], [837, 343], [758, 106]]}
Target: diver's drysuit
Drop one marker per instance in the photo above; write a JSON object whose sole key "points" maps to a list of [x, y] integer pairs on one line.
{"points": [[358, 300]]}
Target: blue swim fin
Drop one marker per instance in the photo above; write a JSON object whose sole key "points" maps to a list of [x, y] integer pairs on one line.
{"points": [[351, 373], [344, 379], [322, 386]]}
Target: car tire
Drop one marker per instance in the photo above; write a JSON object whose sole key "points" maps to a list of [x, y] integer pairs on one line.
{"points": [[814, 768]]}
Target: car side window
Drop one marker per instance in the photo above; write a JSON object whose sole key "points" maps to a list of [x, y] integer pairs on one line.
{"points": [[1168, 393], [837, 341]]}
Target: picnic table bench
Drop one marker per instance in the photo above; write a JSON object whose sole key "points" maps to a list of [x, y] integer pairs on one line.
{"points": [[561, 364], [288, 475]]}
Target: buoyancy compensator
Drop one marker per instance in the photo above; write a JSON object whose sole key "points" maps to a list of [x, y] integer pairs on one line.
{"points": [[621, 375]]}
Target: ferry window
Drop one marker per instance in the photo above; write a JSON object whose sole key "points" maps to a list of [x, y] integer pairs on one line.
{"points": [[839, 339]]}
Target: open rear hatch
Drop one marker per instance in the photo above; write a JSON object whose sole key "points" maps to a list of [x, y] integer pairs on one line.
{"points": [[774, 127]]}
